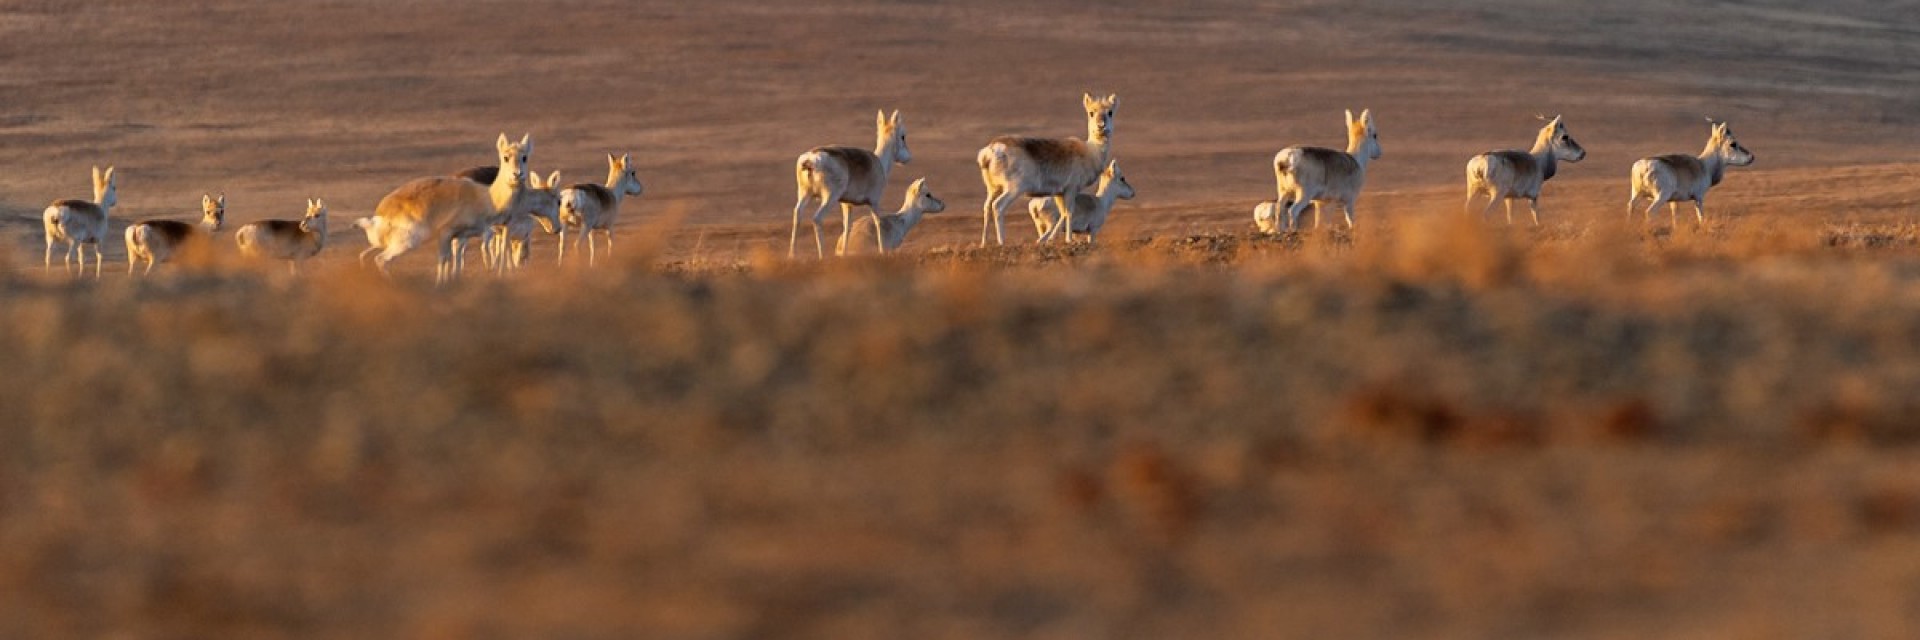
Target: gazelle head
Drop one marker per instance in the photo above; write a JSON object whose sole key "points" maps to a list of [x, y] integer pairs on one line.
{"points": [[1556, 136], [546, 210], [1099, 114], [921, 198], [1112, 181], [621, 175], [1728, 148], [213, 212], [513, 156], [316, 219], [891, 136], [104, 192], [1362, 135]]}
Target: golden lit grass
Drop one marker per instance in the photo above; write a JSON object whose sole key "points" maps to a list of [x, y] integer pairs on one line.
{"points": [[1425, 428]]}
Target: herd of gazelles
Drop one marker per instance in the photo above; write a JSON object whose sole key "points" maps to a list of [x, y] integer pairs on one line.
{"points": [[501, 204]]}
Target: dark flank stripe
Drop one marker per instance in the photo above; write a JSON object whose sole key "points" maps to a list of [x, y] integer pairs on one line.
{"points": [[859, 162], [600, 194], [482, 175], [173, 231]]}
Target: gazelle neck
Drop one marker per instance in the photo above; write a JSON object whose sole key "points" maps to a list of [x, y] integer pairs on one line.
{"points": [[1714, 161], [1357, 147], [505, 189], [1543, 154]]}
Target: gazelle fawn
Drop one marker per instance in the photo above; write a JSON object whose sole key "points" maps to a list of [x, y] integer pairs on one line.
{"points": [[290, 240], [157, 240], [1508, 174], [1266, 216], [1089, 210], [444, 210], [1671, 178], [1319, 175], [79, 223], [893, 227], [1015, 166], [591, 207], [848, 176], [510, 244]]}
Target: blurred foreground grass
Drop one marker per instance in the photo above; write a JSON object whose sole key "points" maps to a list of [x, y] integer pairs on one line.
{"points": [[1427, 432]]}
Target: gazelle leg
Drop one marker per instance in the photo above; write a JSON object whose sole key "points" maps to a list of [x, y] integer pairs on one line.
{"points": [[1509, 211], [1700, 211], [1533, 206]]}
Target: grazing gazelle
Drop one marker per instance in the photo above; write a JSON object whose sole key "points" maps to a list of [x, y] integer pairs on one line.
{"points": [[590, 207], [1015, 166], [1089, 210], [1671, 178], [290, 240], [1508, 174], [893, 226], [508, 245], [156, 240], [1266, 216], [848, 176], [1319, 175], [443, 211], [79, 223]]}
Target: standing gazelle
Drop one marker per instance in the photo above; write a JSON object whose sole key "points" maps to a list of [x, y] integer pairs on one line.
{"points": [[848, 176], [156, 240], [1319, 175], [590, 207], [508, 245], [290, 240], [79, 223], [1015, 166], [1671, 178], [1509, 174]]}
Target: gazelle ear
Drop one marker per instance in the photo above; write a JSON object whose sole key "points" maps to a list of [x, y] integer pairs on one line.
{"points": [[612, 161], [918, 185], [502, 143], [626, 160], [895, 118], [553, 179], [1113, 100], [1349, 117], [879, 118], [1366, 115], [222, 200], [206, 199], [108, 176], [526, 143], [1086, 99], [1112, 165]]}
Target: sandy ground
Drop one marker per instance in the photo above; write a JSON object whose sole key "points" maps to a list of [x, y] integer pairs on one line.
{"points": [[346, 100]]}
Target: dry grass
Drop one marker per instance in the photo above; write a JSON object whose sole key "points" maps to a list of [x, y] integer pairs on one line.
{"points": [[1427, 429]]}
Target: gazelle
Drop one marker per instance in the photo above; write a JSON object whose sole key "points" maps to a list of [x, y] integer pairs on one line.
{"points": [[444, 210], [290, 240], [1266, 216], [1671, 178], [156, 240], [79, 223], [1319, 175], [848, 176], [591, 207], [893, 227], [1508, 174], [1089, 210], [1015, 166], [508, 244]]}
